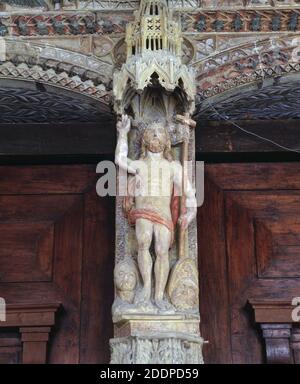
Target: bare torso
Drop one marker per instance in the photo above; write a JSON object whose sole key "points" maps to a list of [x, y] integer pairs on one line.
{"points": [[157, 186]]}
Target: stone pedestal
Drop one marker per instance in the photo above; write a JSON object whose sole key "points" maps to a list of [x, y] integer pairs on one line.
{"points": [[157, 339]]}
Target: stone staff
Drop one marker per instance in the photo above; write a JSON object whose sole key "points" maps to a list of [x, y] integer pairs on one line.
{"points": [[188, 123]]}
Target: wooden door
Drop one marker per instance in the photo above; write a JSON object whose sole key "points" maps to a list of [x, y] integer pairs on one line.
{"points": [[56, 245], [249, 244]]}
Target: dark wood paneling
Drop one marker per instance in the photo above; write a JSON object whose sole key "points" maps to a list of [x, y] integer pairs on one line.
{"points": [[249, 227], [58, 246], [256, 219], [64, 179], [56, 139], [67, 279], [94, 139], [97, 286], [214, 307], [10, 347], [257, 176], [223, 136]]}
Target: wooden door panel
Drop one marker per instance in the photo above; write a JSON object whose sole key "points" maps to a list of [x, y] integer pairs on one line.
{"points": [[214, 299], [10, 348], [250, 251], [97, 276], [30, 246], [40, 179], [56, 245]]}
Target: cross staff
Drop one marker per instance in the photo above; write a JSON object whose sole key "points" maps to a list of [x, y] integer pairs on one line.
{"points": [[188, 123]]}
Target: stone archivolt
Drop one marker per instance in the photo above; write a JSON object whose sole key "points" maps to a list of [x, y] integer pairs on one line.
{"points": [[227, 48], [224, 73], [57, 67], [197, 26], [62, 80]]}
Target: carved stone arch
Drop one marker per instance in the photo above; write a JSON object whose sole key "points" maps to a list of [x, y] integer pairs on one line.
{"points": [[57, 67], [249, 72], [53, 80], [270, 99]]}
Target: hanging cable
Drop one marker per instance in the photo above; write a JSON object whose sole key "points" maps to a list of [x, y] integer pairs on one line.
{"points": [[226, 118]]}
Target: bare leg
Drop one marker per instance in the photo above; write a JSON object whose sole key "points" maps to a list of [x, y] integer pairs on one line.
{"points": [[144, 233], [162, 267]]}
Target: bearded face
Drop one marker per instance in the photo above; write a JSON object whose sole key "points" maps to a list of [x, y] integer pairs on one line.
{"points": [[125, 278], [155, 138]]}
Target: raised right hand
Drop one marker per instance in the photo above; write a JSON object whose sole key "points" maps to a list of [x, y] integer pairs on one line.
{"points": [[123, 125]]}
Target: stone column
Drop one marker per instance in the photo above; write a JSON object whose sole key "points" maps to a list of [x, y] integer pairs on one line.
{"points": [[156, 308]]}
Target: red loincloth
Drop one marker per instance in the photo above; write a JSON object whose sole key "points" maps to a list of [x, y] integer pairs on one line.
{"points": [[133, 214]]}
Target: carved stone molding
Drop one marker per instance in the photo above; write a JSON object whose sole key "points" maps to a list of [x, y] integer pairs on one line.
{"points": [[93, 17], [219, 4], [116, 5], [221, 75], [134, 4], [157, 350], [275, 100], [45, 24], [41, 67], [31, 53], [62, 80], [242, 20]]}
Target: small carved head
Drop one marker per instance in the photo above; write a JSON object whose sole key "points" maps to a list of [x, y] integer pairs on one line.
{"points": [[185, 295], [126, 275], [156, 139]]}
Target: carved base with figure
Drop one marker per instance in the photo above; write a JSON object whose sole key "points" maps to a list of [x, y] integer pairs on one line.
{"points": [[155, 339]]}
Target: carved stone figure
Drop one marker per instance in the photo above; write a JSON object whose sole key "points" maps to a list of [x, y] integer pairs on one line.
{"points": [[158, 323], [151, 211], [126, 280], [183, 286]]}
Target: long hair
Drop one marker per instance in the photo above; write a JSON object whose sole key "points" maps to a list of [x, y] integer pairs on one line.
{"points": [[145, 141]]}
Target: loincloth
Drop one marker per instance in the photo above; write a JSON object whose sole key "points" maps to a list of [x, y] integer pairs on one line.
{"points": [[133, 214], [154, 217]]}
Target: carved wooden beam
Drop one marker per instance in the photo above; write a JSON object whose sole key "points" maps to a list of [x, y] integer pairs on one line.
{"points": [[295, 342], [34, 322], [272, 312], [281, 335], [277, 339]]}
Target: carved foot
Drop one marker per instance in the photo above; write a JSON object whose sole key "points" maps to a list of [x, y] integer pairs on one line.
{"points": [[143, 302], [165, 307], [142, 296]]}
